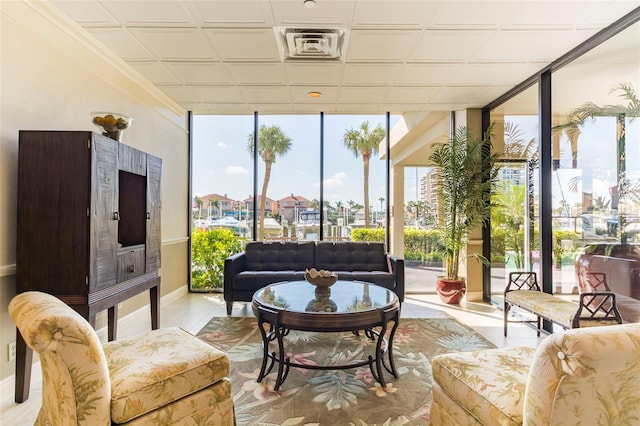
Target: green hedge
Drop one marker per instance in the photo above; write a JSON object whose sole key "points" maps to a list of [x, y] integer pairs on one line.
{"points": [[419, 244], [209, 249], [368, 234]]}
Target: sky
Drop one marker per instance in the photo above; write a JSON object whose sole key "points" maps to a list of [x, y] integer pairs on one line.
{"points": [[222, 163]]}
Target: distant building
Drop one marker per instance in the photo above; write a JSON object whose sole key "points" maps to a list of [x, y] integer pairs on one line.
{"points": [[428, 188], [209, 208], [271, 206], [291, 206]]}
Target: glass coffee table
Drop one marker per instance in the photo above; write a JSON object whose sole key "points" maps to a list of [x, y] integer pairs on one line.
{"points": [[346, 306]]}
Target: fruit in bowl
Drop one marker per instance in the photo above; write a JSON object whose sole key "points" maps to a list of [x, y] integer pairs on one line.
{"points": [[111, 124]]}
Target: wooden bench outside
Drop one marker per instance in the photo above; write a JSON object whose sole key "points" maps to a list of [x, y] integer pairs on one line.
{"points": [[594, 308]]}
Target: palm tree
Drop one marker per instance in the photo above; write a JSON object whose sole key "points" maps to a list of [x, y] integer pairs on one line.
{"points": [[364, 142], [627, 188], [272, 143], [216, 205]]}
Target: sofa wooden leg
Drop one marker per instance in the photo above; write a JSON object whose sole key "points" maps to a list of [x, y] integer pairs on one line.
{"points": [[229, 307]]}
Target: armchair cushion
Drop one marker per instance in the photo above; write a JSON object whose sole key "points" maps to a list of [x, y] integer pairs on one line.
{"points": [[154, 369]]}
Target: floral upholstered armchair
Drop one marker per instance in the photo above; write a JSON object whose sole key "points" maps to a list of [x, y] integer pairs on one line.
{"points": [[586, 376], [165, 376]]}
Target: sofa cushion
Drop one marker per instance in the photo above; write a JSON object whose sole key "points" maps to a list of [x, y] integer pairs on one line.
{"points": [[279, 256], [255, 280], [351, 256], [167, 365], [489, 384]]}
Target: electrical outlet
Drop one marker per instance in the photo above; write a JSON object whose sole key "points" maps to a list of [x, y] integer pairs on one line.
{"points": [[11, 351]]}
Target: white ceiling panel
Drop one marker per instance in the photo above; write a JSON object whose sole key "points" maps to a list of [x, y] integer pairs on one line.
{"points": [[326, 14], [321, 74], [231, 13], [122, 43], [405, 14], [381, 46], [370, 74], [87, 13], [149, 12], [171, 44], [200, 72], [450, 45], [362, 94], [244, 44], [258, 74], [223, 56], [426, 74], [266, 94], [223, 94], [155, 72]]}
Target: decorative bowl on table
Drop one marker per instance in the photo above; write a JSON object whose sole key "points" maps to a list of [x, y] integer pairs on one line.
{"points": [[321, 278], [111, 124]]}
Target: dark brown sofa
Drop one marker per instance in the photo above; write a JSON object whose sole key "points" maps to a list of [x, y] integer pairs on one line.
{"points": [[264, 263]]}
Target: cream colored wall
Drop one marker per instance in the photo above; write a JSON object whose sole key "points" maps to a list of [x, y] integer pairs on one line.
{"points": [[53, 76]]}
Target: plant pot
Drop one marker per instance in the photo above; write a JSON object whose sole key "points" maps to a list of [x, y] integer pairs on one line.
{"points": [[451, 292]]}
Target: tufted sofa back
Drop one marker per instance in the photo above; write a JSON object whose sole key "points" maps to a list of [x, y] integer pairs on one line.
{"points": [[585, 376], [350, 256], [280, 256]]}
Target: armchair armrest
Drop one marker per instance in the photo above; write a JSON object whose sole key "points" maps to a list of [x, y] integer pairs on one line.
{"points": [[396, 267]]}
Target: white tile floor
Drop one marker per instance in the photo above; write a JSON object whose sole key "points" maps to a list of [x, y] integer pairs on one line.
{"points": [[193, 311]]}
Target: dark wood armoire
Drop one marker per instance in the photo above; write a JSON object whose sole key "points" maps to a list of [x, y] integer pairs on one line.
{"points": [[88, 226]]}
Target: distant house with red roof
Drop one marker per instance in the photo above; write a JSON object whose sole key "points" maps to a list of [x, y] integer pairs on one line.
{"points": [[209, 207], [271, 206], [291, 206]]}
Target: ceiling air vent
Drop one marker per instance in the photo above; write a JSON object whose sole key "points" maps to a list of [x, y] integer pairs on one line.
{"points": [[312, 44]]}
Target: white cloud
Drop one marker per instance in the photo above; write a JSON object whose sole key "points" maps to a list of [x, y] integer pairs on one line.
{"points": [[336, 180], [222, 145], [236, 170]]}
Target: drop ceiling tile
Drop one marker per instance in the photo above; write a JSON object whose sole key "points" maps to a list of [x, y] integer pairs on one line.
{"points": [[397, 14], [231, 13], [473, 14], [358, 108], [476, 74], [266, 94], [244, 44], [383, 46], [179, 93], [410, 94], [216, 108], [449, 45], [122, 43], [257, 74], [518, 45], [272, 108], [200, 72], [149, 12], [559, 14], [155, 72], [400, 108], [370, 74], [362, 94], [426, 74], [330, 14], [456, 95], [319, 73], [218, 94], [172, 44], [86, 13]]}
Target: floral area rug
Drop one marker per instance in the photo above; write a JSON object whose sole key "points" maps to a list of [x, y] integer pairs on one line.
{"points": [[337, 397]]}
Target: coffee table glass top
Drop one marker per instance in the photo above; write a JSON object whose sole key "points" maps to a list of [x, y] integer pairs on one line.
{"points": [[341, 297]]}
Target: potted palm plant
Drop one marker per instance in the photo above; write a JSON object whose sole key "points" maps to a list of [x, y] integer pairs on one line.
{"points": [[466, 173]]}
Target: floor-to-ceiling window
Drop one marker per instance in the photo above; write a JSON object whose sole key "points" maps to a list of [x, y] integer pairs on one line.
{"points": [[594, 171], [513, 219], [292, 195], [596, 152]]}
